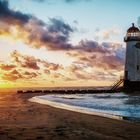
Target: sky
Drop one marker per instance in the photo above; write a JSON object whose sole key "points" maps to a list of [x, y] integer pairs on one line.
{"points": [[64, 43]]}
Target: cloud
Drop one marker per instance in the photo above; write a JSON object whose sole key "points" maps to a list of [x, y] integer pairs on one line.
{"points": [[25, 61], [97, 64], [46, 71], [30, 62], [107, 33], [11, 16], [29, 75], [55, 35], [4, 29], [58, 26], [51, 66], [35, 32], [79, 71], [12, 76], [93, 54], [15, 75], [90, 46], [22, 67], [7, 67]]}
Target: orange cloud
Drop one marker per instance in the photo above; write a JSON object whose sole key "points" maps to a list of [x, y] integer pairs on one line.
{"points": [[7, 67], [18, 75], [12, 76], [25, 61]]}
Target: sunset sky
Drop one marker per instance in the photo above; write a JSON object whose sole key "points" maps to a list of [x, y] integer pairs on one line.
{"points": [[64, 43]]}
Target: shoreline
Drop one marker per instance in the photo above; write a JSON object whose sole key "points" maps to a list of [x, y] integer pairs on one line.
{"points": [[21, 119], [74, 108], [84, 110]]}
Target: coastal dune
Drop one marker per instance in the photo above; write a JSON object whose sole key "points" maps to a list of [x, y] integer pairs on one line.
{"points": [[22, 120]]}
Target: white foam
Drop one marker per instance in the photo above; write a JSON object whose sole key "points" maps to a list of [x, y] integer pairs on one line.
{"points": [[73, 108]]}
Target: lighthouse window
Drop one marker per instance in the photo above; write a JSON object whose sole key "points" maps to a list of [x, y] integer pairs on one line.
{"points": [[137, 67]]}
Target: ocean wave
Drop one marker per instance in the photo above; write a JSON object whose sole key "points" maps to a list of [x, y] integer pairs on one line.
{"points": [[113, 104]]}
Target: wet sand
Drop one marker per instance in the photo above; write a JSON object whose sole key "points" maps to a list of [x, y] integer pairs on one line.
{"points": [[24, 120]]}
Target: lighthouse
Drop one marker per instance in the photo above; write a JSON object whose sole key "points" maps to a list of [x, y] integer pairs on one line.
{"points": [[132, 61]]}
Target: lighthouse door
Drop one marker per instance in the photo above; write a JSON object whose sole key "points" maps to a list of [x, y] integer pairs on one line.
{"points": [[126, 75]]}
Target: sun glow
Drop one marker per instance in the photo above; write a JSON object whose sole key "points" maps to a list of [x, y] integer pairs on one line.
{"points": [[5, 84]]}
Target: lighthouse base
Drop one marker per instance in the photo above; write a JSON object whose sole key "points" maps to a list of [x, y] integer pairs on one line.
{"points": [[131, 86]]}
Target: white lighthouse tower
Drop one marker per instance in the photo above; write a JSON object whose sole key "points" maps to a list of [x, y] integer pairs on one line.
{"points": [[132, 64]]}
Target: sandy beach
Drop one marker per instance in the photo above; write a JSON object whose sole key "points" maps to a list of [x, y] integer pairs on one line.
{"points": [[24, 120]]}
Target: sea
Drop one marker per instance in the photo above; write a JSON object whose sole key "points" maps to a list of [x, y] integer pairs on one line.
{"points": [[112, 105]]}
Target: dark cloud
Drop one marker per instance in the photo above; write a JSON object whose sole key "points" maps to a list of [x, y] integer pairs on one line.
{"points": [[12, 16], [56, 35], [35, 32], [90, 45], [58, 26]]}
